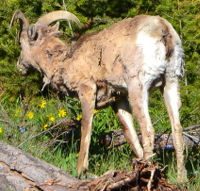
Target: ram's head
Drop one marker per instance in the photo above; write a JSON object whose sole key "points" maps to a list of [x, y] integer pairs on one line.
{"points": [[29, 35]]}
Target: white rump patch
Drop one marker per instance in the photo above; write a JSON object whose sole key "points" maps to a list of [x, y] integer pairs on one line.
{"points": [[154, 57]]}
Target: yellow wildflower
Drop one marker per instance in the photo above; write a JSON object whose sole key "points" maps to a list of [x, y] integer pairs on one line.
{"points": [[51, 117], [42, 104], [62, 113], [18, 113], [79, 117], [95, 111], [30, 115], [1, 130], [45, 127]]}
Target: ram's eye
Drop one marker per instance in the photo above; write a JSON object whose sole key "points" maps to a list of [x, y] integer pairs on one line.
{"points": [[20, 44], [31, 43]]}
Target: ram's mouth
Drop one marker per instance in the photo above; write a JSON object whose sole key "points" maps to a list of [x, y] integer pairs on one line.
{"points": [[23, 70]]}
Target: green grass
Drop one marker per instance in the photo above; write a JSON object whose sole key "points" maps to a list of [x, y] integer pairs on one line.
{"points": [[26, 122]]}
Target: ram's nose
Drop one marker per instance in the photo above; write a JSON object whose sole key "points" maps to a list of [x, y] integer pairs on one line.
{"points": [[21, 68], [22, 71]]}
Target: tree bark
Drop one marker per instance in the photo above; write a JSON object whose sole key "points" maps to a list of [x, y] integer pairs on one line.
{"points": [[19, 171], [163, 141]]}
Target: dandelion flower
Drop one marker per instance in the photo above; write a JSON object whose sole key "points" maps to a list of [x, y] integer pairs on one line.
{"points": [[79, 117], [62, 113], [51, 117], [1, 130], [18, 113], [30, 115], [45, 127], [42, 104], [95, 111]]}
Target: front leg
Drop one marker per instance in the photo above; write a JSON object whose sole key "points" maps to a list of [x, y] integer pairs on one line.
{"points": [[87, 96]]}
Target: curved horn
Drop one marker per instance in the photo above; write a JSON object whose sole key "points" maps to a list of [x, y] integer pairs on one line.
{"points": [[57, 15], [23, 21]]}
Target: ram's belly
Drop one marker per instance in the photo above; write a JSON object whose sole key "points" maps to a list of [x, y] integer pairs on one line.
{"points": [[108, 94]]}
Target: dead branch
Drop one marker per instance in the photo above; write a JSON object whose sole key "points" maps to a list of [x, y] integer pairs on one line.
{"points": [[21, 171]]}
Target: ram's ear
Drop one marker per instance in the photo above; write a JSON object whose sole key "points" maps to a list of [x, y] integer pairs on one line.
{"points": [[54, 30], [55, 27], [32, 34]]}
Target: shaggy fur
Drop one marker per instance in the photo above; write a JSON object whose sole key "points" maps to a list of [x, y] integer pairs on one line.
{"points": [[130, 59]]}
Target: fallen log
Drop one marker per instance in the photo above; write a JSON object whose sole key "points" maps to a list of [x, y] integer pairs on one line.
{"points": [[19, 171], [116, 137], [163, 141]]}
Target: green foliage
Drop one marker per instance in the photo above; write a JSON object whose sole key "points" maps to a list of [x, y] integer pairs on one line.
{"points": [[12, 83], [184, 16], [23, 124]]}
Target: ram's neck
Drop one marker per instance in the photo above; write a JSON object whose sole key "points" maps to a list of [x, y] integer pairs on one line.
{"points": [[54, 54]]}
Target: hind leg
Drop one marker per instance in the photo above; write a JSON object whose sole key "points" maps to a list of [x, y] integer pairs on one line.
{"points": [[173, 103], [138, 95], [123, 112]]}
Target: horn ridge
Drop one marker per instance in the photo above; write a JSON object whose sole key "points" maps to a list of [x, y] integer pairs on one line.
{"points": [[23, 21], [49, 18]]}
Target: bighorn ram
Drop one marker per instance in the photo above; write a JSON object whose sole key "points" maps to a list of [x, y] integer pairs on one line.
{"points": [[129, 59]]}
